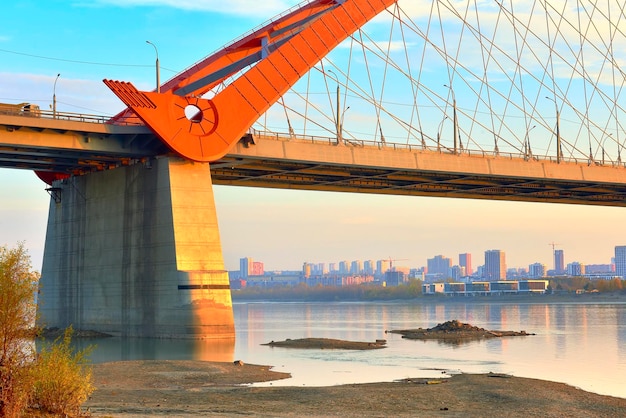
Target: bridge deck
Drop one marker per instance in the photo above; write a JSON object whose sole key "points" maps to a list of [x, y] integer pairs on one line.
{"points": [[317, 165], [69, 144]]}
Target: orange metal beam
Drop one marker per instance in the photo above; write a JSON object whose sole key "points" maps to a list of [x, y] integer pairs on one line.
{"points": [[284, 50]]}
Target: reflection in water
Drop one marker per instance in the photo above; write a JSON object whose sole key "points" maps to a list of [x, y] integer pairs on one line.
{"points": [[578, 344], [116, 349]]}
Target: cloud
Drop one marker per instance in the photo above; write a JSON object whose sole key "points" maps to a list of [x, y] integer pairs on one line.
{"points": [[267, 8]]}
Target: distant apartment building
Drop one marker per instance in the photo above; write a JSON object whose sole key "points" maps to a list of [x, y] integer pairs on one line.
{"points": [[258, 269], [344, 267], [246, 266], [382, 266], [356, 267], [620, 261], [575, 269], [439, 266], [369, 267], [559, 262], [599, 268], [306, 270], [495, 265], [465, 260], [456, 272], [536, 270]]}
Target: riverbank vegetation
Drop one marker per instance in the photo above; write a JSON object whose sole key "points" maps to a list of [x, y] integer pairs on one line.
{"points": [[557, 287], [54, 381]]}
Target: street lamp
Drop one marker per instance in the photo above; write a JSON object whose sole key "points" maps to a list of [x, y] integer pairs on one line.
{"points": [[54, 96], [342, 119], [338, 124], [558, 132], [455, 121], [158, 77], [603, 142], [528, 153], [439, 133]]}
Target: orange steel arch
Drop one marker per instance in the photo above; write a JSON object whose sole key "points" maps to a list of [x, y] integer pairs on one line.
{"points": [[284, 50]]}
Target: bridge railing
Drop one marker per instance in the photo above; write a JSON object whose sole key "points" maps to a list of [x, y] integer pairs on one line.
{"points": [[68, 116], [434, 149]]}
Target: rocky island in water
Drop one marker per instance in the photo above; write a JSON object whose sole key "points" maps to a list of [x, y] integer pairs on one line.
{"points": [[454, 331]]}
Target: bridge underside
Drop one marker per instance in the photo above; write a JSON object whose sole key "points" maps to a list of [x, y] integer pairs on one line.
{"points": [[274, 162], [318, 164]]}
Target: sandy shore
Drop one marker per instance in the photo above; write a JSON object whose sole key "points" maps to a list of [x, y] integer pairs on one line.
{"points": [[194, 388]]}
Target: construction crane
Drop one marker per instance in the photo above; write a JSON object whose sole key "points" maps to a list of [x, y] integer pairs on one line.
{"points": [[553, 245], [394, 259]]}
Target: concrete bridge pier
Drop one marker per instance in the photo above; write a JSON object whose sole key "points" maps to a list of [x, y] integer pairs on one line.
{"points": [[135, 251]]}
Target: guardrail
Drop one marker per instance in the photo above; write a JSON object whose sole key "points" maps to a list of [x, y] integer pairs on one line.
{"points": [[441, 149], [67, 116]]}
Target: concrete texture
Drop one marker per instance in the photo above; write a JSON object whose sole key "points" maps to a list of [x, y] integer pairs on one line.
{"points": [[135, 251]]}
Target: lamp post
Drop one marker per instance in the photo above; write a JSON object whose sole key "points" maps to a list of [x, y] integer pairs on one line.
{"points": [[342, 119], [603, 142], [338, 115], [455, 121], [528, 153], [54, 96], [558, 132], [158, 76], [439, 133]]}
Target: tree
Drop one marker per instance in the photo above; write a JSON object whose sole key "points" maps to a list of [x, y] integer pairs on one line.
{"points": [[18, 285], [54, 381]]}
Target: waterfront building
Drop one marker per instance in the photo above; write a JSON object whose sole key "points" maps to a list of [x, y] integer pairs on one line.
{"points": [[343, 267], [356, 267], [258, 269], [246, 265], [537, 270], [559, 262], [620, 261], [456, 272], [575, 269], [465, 260], [382, 266], [495, 265], [439, 266]]}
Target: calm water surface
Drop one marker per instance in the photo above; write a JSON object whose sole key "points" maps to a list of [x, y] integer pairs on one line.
{"points": [[583, 345]]}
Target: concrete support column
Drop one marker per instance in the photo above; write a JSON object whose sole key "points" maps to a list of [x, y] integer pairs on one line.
{"points": [[135, 251]]}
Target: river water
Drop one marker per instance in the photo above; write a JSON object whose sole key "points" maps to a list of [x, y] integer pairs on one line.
{"points": [[581, 344]]}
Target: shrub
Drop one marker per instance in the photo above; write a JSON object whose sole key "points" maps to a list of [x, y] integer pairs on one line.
{"points": [[61, 378], [18, 284]]}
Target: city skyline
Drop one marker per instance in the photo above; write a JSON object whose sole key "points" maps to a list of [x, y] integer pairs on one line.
{"points": [[440, 263], [281, 227]]}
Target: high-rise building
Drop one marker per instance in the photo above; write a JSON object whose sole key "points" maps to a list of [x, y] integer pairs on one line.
{"points": [[575, 269], [495, 265], [246, 266], [439, 265], [559, 262], [356, 267], [620, 260], [343, 267], [465, 260], [536, 270], [382, 266], [258, 269], [368, 267]]}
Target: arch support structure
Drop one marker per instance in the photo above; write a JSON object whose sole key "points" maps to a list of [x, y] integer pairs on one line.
{"points": [[263, 64]]}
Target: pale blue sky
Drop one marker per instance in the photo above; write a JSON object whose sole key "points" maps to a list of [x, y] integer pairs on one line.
{"points": [[87, 41]]}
